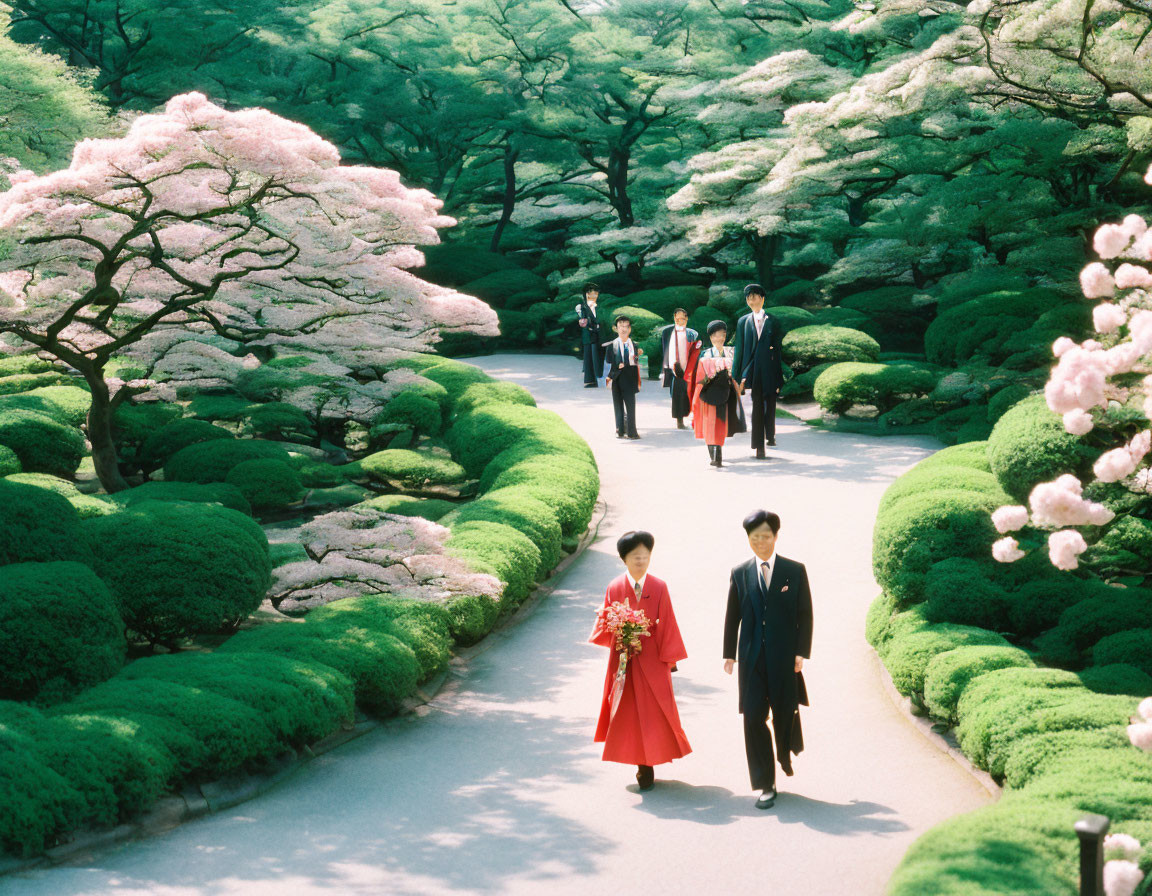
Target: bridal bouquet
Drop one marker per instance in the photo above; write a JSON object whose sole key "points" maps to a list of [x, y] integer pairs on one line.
{"points": [[627, 626]]}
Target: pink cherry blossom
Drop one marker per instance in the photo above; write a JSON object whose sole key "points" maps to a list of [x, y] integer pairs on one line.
{"points": [[1121, 877], [1061, 345], [1060, 503], [1108, 318], [1064, 547], [1134, 225], [1007, 550], [1140, 734], [1096, 281], [1140, 331], [1078, 422], [1077, 381], [1145, 709], [1110, 240], [1114, 465], [1009, 518], [1133, 276], [1125, 844]]}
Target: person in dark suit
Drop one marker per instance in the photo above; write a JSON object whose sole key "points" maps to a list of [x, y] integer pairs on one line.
{"points": [[768, 629], [622, 363], [590, 335], [757, 365], [676, 339]]}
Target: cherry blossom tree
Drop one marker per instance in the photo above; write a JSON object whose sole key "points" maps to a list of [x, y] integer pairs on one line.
{"points": [[1103, 388], [242, 225]]}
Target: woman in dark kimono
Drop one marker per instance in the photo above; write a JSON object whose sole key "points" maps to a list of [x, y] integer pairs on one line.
{"points": [[716, 409]]}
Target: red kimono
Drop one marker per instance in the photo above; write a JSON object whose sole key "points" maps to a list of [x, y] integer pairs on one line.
{"points": [[646, 728]]}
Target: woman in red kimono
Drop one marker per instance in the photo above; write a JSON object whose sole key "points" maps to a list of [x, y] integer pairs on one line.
{"points": [[716, 409], [644, 730]]}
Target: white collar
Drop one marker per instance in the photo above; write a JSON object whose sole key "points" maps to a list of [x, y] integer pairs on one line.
{"points": [[681, 329], [632, 582], [771, 561], [759, 314]]}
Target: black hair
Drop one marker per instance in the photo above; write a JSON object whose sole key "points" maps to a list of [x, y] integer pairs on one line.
{"points": [[716, 326], [629, 541], [588, 287], [754, 288], [623, 317], [679, 311], [757, 518]]}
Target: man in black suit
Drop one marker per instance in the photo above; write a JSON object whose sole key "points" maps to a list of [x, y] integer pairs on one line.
{"points": [[770, 609], [590, 335], [677, 338], [622, 363], [757, 365]]}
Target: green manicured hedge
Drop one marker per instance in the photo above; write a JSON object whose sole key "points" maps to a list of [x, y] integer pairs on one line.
{"points": [[43, 444], [167, 440], [501, 550], [412, 469], [410, 408], [67, 404], [949, 673], [492, 393], [213, 461], [1133, 647], [179, 568], [805, 347], [409, 505], [196, 492], [518, 507], [9, 462], [1029, 445], [38, 526], [59, 631], [844, 385], [477, 437], [266, 483]]}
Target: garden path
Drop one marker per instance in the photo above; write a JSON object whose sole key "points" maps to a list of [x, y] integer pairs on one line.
{"points": [[497, 788]]}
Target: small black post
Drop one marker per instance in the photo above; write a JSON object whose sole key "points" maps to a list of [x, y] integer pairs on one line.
{"points": [[1091, 830]]}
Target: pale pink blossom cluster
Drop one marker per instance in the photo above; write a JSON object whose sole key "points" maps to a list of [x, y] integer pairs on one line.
{"points": [[1140, 732], [1007, 550], [1062, 503], [1122, 874], [1065, 548], [1114, 465], [1010, 518]]}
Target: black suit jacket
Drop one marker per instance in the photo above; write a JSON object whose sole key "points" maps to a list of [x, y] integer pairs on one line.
{"points": [[591, 333], [628, 378], [779, 621], [666, 341], [757, 360]]}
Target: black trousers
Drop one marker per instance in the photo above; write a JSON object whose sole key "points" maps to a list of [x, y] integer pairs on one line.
{"points": [[763, 415], [757, 736], [624, 404], [593, 364], [681, 406]]}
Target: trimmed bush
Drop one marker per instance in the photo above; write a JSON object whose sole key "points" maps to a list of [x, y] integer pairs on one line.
{"points": [[982, 327], [805, 347], [410, 408], [948, 674], [1117, 678], [493, 393], [85, 505], [477, 437], [907, 657], [1004, 400], [1124, 549], [66, 404], [644, 323], [801, 385], [1029, 445], [412, 469], [9, 462], [471, 617], [1087, 621], [1032, 756], [895, 314], [511, 287], [662, 302], [60, 631], [789, 318], [195, 492], [958, 590], [453, 376], [883, 386], [10, 365], [282, 421], [43, 445], [409, 505], [26, 382], [518, 507], [37, 526], [209, 406], [213, 461], [569, 487], [1037, 606], [500, 550], [178, 568], [267, 484], [1133, 647], [167, 440]]}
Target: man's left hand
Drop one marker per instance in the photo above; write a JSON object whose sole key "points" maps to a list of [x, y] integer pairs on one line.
{"points": [[799, 663]]}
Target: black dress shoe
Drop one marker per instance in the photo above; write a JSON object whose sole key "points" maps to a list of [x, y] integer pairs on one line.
{"points": [[772, 443], [591, 385], [619, 435], [645, 777], [760, 455], [633, 438], [680, 423], [767, 799]]}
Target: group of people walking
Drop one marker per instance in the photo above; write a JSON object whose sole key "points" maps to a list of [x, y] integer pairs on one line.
{"points": [[707, 379]]}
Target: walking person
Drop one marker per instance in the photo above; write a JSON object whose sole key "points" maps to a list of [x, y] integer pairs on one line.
{"points": [[590, 335], [768, 633], [676, 339], [622, 363], [639, 723], [716, 408], [758, 367]]}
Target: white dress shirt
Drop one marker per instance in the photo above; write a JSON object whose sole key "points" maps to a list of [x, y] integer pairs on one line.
{"points": [[758, 319], [625, 352], [766, 574], [679, 347]]}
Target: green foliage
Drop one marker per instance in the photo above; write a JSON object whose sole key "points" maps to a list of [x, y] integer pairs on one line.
{"points": [[229, 406], [907, 657], [454, 263], [493, 393], [958, 590], [44, 445], [59, 631], [25, 382], [38, 526], [1029, 445], [162, 443], [1107, 612], [212, 461], [795, 293], [196, 492], [9, 462], [1008, 397], [949, 673], [500, 550], [477, 437], [982, 327], [512, 288], [67, 404], [567, 485], [318, 474], [413, 409], [453, 376], [412, 469], [896, 314], [10, 365], [661, 302], [132, 424], [409, 505], [518, 507], [86, 505], [1124, 549], [1037, 606], [471, 617], [801, 385], [1133, 647], [180, 568], [645, 323], [266, 483], [790, 318], [844, 385], [282, 421], [805, 347]]}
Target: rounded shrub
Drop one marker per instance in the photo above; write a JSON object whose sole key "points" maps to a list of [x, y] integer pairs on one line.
{"points": [[1124, 549], [662, 302], [878, 622], [805, 347], [167, 440], [1095, 617], [1028, 445], [644, 323], [195, 492], [788, 317], [9, 462], [412, 469], [453, 376], [883, 386], [318, 474], [43, 445], [267, 484], [67, 404], [85, 505], [925, 480], [518, 507], [471, 617], [1031, 756], [949, 673], [567, 485], [907, 656], [26, 363], [178, 568], [59, 631], [212, 461], [282, 421], [477, 437], [26, 382], [38, 526], [500, 550], [1133, 647], [1007, 398], [493, 393], [409, 505], [956, 590], [1037, 606], [1117, 678], [801, 385], [410, 408]]}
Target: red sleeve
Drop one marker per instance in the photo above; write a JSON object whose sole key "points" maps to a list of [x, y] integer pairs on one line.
{"points": [[669, 644], [600, 633]]}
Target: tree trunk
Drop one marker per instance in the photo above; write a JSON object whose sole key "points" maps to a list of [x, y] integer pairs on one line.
{"points": [[618, 160], [510, 156], [100, 435]]}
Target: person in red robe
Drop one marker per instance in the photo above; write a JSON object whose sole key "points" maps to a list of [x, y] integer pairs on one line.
{"points": [[644, 729], [716, 409]]}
